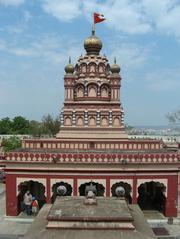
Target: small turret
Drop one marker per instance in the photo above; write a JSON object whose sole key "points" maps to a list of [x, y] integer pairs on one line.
{"points": [[69, 68], [115, 68]]}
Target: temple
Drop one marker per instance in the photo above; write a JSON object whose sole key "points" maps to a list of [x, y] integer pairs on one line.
{"points": [[92, 108], [92, 146]]}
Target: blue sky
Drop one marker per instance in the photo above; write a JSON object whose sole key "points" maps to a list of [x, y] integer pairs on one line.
{"points": [[38, 36]]}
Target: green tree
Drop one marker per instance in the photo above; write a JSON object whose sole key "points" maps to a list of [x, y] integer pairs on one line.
{"points": [[5, 126], [11, 143], [20, 125], [35, 128], [50, 125], [174, 117]]}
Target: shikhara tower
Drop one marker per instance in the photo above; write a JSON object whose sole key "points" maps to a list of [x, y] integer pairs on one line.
{"points": [[92, 107], [92, 147]]}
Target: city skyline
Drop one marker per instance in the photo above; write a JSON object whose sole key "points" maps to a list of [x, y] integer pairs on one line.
{"points": [[37, 38]]}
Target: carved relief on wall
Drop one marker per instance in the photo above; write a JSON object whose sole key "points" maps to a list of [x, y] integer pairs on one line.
{"points": [[83, 68], [116, 121], [80, 91], [80, 121], [67, 121], [104, 121], [104, 91], [92, 90], [92, 68], [92, 121], [101, 68]]}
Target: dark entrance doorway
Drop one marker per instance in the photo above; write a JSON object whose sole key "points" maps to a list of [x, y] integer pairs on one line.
{"points": [[99, 187], [152, 196], [127, 188], [54, 190], [36, 189]]}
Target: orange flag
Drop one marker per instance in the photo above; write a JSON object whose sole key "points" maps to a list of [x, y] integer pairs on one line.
{"points": [[98, 18]]}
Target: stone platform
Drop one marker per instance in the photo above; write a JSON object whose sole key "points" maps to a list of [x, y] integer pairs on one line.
{"points": [[108, 213]]}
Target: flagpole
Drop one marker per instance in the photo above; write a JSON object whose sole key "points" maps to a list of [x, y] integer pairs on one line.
{"points": [[93, 29], [93, 25]]}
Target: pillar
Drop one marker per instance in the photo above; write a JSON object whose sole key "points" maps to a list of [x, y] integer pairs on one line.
{"points": [[108, 187], [172, 196], [48, 190], [11, 197], [75, 189], [134, 192]]}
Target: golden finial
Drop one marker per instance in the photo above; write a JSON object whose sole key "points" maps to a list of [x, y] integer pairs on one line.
{"points": [[93, 44], [115, 68], [69, 68]]}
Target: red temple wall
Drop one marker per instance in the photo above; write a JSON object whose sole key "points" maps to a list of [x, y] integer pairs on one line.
{"points": [[172, 182], [11, 198]]}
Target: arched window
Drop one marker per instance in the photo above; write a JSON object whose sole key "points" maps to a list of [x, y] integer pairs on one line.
{"points": [[80, 91], [116, 121], [37, 189], [100, 189], [80, 121], [92, 121], [127, 188], [104, 91], [104, 121], [67, 121], [92, 91], [152, 196], [54, 190]]}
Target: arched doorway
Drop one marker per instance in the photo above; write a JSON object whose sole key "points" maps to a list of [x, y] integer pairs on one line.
{"points": [[99, 187], [127, 188], [54, 190], [37, 190], [152, 196]]}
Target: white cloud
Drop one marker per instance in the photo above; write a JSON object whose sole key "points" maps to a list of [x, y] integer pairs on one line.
{"points": [[121, 15], [163, 15], [11, 2], [163, 80], [132, 17], [34, 48], [27, 16], [63, 10], [45, 48], [17, 29], [2, 44], [21, 26], [129, 56]]}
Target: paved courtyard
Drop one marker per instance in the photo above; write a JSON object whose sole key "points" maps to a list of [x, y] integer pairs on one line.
{"points": [[16, 227], [11, 227]]}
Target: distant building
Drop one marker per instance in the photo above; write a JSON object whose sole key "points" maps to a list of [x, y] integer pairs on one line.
{"points": [[21, 136], [165, 138], [92, 146]]}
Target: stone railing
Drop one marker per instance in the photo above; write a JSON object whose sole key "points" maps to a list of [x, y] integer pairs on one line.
{"points": [[123, 158]]}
